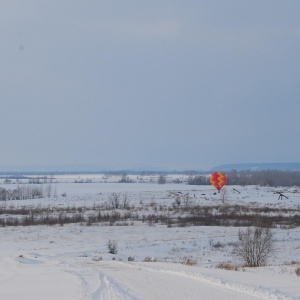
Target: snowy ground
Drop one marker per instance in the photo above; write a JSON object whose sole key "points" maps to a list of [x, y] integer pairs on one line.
{"points": [[72, 261]]}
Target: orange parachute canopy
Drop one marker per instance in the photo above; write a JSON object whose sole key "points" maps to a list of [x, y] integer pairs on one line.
{"points": [[218, 180]]}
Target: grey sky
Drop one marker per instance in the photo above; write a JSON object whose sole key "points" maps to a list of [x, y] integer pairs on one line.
{"points": [[129, 84]]}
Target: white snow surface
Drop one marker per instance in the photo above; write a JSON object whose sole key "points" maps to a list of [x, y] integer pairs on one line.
{"points": [[72, 261]]}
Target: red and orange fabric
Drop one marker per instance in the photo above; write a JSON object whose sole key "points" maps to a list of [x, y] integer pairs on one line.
{"points": [[218, 180]]}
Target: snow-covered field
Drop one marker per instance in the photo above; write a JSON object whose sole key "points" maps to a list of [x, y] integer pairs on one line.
{"points": [[72, 261]]}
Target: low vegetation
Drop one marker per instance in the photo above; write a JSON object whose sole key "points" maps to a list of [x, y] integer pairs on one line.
{"points": [[255, 246], [172, 216], [189, 261], [23, 192], [112, 247], [227, 266]]}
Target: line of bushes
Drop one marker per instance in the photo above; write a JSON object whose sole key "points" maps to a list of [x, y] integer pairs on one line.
{"points": [[193, 216]]}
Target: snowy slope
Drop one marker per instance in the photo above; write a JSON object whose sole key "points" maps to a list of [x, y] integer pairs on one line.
{"points": [[72, 261]]}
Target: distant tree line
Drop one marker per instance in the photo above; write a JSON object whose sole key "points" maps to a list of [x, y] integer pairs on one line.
{"points": [[262, 178], [198, 180], [22, 192]]}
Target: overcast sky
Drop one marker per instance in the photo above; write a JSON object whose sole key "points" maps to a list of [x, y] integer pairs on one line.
{"points": [[149, 84]]}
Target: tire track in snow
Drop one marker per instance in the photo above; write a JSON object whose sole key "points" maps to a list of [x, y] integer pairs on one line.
{"points": [[95, 285], [109, 289], [149, 284]]}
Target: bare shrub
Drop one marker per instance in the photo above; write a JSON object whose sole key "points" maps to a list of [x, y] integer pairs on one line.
{"points": [[162, 179], [186, 200], [255, 246], [293, 262], [189, 261], [48, 190], [177, 181], [223, 195], [218, 245], [125, 201], [130, 258], [297, 271], [125, 179], [112, 247], [114, 200], [227, 266], [149, 259], [97, 258], [178, 200]]}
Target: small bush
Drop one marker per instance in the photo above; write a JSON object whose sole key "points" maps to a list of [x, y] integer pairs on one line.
{"points": [[297, 271], [218, 245], [112, 247], [255, 246], [149, 259], [97, 258], [227, 266], [130, 258], [162, 179], [189, 261]]}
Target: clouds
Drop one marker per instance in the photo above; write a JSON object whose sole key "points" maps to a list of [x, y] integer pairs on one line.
{"points": [[125, 83]]}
